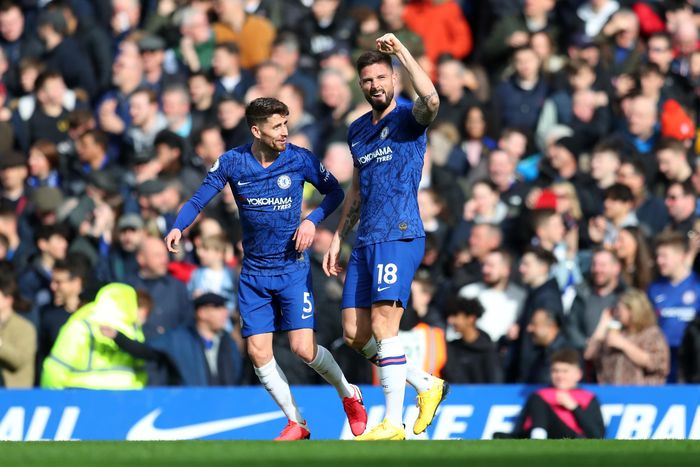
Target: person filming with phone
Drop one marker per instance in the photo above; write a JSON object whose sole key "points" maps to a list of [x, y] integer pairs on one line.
{"points": [[628, 347]]}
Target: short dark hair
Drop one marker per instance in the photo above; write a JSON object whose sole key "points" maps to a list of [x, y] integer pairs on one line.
{"points": [[619, 192], [46, 75], [672, 239], [99, 136], [569, 356], [542, 255], [263, 108], [170, 139], [47, 231], [636, 165], [467, 306], [671, 144], [372, 57], [78, 266], [540, 216], [208, 76], [228, 46], [686, 186]]}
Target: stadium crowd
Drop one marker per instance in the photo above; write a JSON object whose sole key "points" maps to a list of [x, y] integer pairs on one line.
{"points": [[559, 191]]}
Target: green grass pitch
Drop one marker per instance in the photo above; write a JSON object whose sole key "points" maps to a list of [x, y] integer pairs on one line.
{"points": [[525, 453]]}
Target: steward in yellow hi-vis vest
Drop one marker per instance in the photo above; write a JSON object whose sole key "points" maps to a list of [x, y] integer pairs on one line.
{"points": [[83, 358]]}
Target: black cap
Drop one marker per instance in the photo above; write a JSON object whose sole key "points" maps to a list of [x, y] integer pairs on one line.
{"points": [[12, 159], [571, 143], [210, 299], [103, 181], [150, 187]]}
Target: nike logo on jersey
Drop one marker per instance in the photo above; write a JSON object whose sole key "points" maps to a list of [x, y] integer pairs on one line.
{"points": [[145, 428], [382, 289], [354, 144], [240, 183], [303, 316]]}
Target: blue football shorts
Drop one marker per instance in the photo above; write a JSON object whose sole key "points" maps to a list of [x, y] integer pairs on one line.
{"points": [[382, 272], [276, 303]]}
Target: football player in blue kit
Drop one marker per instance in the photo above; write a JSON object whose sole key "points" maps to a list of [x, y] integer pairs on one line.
{"points": [[267, 178], [387, 145]]}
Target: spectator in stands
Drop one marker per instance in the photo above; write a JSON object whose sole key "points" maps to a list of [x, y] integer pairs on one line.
{"points": [[200, 354], [543, 293], [175, 101], [18, 250], [599, 292], [286, 52], [605, 164], [468, 259], [618, 212], [68, 280], [633, 251], [501, 299], [120, 263], [18, 336], [519, 99], [651, 211], [562, 410], [13, 177], [513, 190], [234, 129], [83, 358], [152, 50], [623, 51], [300, 122], [681, 203], [455, 98], [672, 160], [327, 27], [676, 294], [642, 132], [252, 33], [34, 281], [269, 78], [472, 358], [43, 164], [172, 305], [202, 90], [595, 13], [170, 162], [231, 81], [146, 121], [545, 330], [198, 39], [62, 53], [213, 275], [628, 347], [17, 40], [660, 52]]}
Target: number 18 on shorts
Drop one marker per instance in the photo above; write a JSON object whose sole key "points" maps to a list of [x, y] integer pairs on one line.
{"points": [[382, 272]]}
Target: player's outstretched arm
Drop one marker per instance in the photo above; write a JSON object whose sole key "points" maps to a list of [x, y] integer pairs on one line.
{"points": [[348, 219], [172, 240], [427, 103]]}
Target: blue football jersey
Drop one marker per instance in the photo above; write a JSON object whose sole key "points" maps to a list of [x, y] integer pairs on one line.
{"points": [[676, 305], [269, 201], [389, 158]]}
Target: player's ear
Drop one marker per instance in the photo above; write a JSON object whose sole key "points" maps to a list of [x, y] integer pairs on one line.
{"points": [[256, 131]]}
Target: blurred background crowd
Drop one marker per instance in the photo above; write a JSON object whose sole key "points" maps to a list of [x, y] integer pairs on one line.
{"points": [[559, 192]]}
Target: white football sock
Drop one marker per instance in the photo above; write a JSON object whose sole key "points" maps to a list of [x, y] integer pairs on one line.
{"points": [[392, 376], [325, 365], [273, 379], [419, 379]]}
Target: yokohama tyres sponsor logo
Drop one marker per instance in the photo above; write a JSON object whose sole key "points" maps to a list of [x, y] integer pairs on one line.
{"points": [[382, 155]]}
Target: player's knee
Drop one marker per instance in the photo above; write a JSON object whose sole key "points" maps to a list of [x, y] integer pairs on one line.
{"points": [[305, 351], [259, 356]]}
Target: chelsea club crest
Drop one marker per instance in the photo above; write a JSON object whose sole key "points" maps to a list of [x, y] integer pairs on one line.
{"points": [[284, 182], [384, 133]]}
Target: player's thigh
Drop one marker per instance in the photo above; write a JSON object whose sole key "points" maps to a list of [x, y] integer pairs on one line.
{"points": [[294, 296], [357, 326], [386, 316], [357, 288], [393, 266], [260, 349], [255, 303]]}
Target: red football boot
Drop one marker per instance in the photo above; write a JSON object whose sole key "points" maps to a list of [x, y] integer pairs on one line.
{"points": [[294, 431], [355, 410]]}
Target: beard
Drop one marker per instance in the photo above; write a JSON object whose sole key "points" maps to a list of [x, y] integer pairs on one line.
{"points": [[380, 106]]}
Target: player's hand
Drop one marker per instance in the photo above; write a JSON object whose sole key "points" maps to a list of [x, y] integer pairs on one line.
{"points": [[304, 235], [331, 259], [389, 44], [173, 240], [565, 400]]}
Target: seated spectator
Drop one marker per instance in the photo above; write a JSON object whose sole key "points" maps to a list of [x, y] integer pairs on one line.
{"points": [[618, 212], [650, 209], [627, 346], [547, 337], [562, 410], [83, 358], [501, 299], [472, 358], [213, 275], [252, 33], [17, 336], [681, 202], [200, 354], [43, 165]]}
